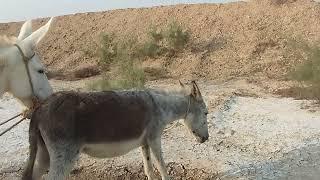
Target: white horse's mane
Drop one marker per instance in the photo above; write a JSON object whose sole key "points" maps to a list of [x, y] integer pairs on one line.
{"points": [[6, 41]]}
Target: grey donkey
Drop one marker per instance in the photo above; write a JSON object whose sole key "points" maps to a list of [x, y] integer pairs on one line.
{"points": [[109, 124]]}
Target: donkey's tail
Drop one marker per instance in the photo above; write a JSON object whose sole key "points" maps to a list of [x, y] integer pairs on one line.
{"points": [[34, 137]]}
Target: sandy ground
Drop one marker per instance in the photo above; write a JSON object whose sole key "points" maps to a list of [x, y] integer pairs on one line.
{"points": [[253, 135]]}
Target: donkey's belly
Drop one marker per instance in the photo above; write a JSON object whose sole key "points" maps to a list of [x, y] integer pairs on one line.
{"points": [[108, 150]]}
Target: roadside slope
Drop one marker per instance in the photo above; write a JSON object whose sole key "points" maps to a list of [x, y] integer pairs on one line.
{"points": [[229, 40]]}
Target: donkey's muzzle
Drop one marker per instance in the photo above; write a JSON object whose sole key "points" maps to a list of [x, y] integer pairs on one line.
{"points": [[204, 139]]}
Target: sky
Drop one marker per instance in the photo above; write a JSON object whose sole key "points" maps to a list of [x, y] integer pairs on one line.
{"points": [[21, 10]]}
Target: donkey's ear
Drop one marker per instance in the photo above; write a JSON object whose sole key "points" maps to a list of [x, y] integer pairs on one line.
{"points": [[195, 89], [25, 31], [36, 37], [181, 84]]}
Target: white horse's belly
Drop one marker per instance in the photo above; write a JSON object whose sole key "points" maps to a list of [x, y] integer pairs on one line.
{"points": [[108, 150]]}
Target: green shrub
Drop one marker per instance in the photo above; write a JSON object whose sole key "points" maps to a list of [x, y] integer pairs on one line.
{"points": [[151, 49], [308, 73], [176, 37], [309, 70], [155, 35], [168, 41], [131, 76], [107, 50], [121, 56], [124, 56]]}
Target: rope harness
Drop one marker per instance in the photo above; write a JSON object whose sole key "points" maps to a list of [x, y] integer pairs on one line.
{"points": [[35, 100], [26, 61]]}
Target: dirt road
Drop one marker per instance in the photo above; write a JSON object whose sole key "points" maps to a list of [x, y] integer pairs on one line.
{"points": [[254, 135]]}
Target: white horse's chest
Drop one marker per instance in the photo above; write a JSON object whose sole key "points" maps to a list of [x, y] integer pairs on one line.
{"points": [[109, 150]]}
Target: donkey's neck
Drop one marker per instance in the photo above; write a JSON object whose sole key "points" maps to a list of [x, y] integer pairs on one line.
{"points": [[174, 106]]}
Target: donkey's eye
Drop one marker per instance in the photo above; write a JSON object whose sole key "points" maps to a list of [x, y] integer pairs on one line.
{"points": [[206, 113], [41, 71]]}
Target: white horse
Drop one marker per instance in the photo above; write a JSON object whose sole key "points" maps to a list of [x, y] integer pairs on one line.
{"points": [[21, 72]]}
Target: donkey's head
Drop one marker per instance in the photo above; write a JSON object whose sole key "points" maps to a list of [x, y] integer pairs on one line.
{"points": [[21, 58], [196, 115]]}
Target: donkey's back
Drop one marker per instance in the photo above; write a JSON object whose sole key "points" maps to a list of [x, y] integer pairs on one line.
{"points": [[97, 117]]}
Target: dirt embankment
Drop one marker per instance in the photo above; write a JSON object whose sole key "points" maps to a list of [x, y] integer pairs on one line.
{"points": [[228, 40]]}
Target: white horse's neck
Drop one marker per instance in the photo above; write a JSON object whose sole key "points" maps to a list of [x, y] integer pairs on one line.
{"points": [[3, 74], [174, 106]]}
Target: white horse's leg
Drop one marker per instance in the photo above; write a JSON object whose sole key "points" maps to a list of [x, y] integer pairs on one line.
{"points": [[42, 162], [155, 146], [147, 163]]}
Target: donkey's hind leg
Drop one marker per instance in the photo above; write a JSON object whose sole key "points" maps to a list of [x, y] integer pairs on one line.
{"points": [[147, 163], [62, 159], [155, 146], [42, 161]]}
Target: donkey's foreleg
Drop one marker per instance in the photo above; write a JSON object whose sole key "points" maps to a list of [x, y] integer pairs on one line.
{"points": [[42, 161], [155, 146], [147, 163], [62, 159]]}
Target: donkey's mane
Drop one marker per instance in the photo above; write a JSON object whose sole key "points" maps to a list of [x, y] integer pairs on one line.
{"points": [[173, 91], [177, 91]]}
